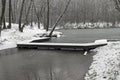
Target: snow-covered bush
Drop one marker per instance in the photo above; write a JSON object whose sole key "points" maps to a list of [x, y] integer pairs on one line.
{"points": [[68, 26], [90, 25]]}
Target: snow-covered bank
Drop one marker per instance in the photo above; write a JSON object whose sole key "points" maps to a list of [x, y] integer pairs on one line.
{"points": [[106, 63], [89, 25], [10, 37]]}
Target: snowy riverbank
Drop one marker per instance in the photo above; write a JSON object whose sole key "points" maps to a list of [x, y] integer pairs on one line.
{"points": [[9, 37], [106, 63]]}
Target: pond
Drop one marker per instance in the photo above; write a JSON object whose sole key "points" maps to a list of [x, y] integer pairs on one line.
{"points": [[88, 35], [32, 64]]}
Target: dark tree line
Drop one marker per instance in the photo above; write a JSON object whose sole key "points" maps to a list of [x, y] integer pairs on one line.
{"points": [[48, 12], [28, 11]]}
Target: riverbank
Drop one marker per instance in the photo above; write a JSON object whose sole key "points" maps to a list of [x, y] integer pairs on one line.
{"points": [[106, 60], [10, 37], [106, 63], [90, 25]]}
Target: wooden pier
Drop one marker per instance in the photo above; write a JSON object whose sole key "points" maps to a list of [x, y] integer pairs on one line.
{"points": [[68, 46]]}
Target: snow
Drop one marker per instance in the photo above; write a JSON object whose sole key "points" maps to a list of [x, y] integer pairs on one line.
{"points": [[9, 37], [90, 25], [106, 63], [7, 44], [101, 41]]}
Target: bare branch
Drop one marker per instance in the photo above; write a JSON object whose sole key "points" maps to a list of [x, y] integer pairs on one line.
{"points": [[60, 17], [117, 4]]}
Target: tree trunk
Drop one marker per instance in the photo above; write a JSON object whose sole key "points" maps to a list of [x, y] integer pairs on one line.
{"points": [[10, 16], [4, 23], [15, 10], [31, 22], [38, 23], [60, 17], [27, 13], [117, 4], [20, 17], [2, 13], [37, 14], [48, 16]]}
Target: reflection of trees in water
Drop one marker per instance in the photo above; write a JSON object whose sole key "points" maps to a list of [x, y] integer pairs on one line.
{"points": [[43, 65], [48, 74]]}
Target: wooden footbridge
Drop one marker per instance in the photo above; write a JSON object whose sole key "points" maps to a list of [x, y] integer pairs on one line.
{"points": [[62, 46]]}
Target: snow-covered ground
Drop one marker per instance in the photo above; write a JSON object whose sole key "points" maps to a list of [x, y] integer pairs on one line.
{"points": [[89, 25], [10, 37], [106, 63]]}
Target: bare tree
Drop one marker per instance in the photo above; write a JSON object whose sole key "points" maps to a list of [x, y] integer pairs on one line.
{"points": [[60, 17], [38, 13], [48, 15], [15, 6], [21, 14], [2, 13], [117, 4], [4, 23], [27, 13], [10, 14], [32, 16]]}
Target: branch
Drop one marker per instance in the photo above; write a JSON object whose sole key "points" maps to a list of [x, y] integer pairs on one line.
{"points": [[26, 18], [60, 17], [117, 4]]}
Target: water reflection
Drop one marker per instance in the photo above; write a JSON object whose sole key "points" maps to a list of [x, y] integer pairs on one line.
{"points": [[43, 65]]}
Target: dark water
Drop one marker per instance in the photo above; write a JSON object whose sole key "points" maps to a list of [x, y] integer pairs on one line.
{"points": [[43, 65], [52, 64], [88, 35]]}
